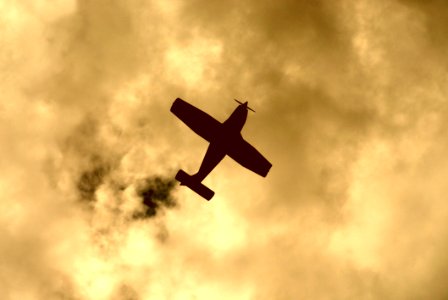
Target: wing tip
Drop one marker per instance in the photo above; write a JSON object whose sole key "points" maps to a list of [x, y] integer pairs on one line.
{"points": [[267, 170], [173, 106]]}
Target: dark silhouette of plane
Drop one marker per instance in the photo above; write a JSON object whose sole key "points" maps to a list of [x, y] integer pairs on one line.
{"points": [[225, 139]]}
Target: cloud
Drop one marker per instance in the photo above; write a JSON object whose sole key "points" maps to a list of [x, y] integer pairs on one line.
{"points": [[156, 193], [350, 101]]}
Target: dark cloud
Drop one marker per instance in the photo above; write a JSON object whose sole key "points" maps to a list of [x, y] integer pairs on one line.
{"points": [[126, 292], [435, 15], [89, 181], [156, 193]]}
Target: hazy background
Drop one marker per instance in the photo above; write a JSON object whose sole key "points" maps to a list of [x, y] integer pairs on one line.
{"points": [[351, 111]]}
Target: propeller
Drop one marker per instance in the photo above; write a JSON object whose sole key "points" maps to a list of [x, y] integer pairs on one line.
{"points": [[243, 103]]}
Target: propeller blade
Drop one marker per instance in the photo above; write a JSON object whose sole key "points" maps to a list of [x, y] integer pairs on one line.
{"points": [[243, 103]]}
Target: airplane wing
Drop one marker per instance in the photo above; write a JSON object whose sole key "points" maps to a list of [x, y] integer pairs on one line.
{"points": [[247, 156], [199, 121]]}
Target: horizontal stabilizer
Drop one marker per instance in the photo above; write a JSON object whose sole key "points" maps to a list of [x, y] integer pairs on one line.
{"points": [[194, 185]]}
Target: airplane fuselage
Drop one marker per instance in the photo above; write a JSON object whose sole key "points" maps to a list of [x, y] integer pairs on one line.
{"points": [[217, 149]]}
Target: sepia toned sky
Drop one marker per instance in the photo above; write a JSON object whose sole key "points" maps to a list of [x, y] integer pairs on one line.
{"points": [[351, 109]]}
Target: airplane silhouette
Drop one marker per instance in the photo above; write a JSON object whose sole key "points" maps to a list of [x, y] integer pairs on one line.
{"points": [[224, 138]]}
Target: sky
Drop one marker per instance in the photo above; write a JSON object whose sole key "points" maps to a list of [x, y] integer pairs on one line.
{"points": [[351, 110]]}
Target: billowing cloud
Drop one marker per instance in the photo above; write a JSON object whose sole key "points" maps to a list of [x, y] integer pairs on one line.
{"points": [[351, 111]]}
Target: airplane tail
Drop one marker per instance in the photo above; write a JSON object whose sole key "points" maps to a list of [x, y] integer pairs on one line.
{"points": [[194, 185]]}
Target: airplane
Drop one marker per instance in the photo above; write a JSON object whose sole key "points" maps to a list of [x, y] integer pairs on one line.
{"points": [[224, 138]]}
